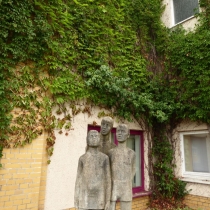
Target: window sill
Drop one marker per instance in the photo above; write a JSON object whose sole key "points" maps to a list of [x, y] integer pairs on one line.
{"points": [[141, 194], [195, 180], [183, 21]]}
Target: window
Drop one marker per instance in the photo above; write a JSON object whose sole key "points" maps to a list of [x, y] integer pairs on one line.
{"points": [[184, 9], [196, 154], [135, 142]]}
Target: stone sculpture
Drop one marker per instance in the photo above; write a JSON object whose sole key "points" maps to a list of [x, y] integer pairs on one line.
{"points": [[122, 160], [93, 183], [105, 135]]}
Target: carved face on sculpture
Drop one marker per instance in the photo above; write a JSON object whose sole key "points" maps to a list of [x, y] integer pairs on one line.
{"points": [[106, 125], [93, 138], [122, 132]]}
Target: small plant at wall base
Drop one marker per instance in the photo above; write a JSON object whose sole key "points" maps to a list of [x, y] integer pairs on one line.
{"points": [[115, 54], [169, 190]]}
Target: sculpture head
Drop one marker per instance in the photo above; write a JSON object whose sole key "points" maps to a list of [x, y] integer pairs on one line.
{"points": [[122, 132], [93, 138], [106, 125]]}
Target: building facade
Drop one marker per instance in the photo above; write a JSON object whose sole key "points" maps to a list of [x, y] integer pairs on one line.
{"points": [[192, 150], [28, 182]]}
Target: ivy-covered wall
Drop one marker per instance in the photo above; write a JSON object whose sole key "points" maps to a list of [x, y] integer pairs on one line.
{"points": [[116, 54]]}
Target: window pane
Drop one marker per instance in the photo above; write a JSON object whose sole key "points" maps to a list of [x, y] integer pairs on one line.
{"points": [[184, 9], [134, 143], [196, 153], [199, 155]]}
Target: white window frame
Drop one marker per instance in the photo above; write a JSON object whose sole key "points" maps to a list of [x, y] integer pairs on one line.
{"points": [[172, 15], [188, 176]]}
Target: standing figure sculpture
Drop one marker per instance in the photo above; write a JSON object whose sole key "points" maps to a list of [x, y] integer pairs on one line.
{"points": [[122, 160], [93, 183], [105, 135]]}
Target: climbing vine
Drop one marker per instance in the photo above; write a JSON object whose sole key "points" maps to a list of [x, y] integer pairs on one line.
{"points": [[116, 54]]}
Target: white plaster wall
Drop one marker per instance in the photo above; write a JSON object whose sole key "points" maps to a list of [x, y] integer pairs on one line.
{"points": [[200, 189], [167, 14], [168, 20], [61, 174]]}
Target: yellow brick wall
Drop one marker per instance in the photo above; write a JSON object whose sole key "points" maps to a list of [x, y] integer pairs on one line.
{"points": [[20, 177], [43, 178], [140, 203], [197, 202]]}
